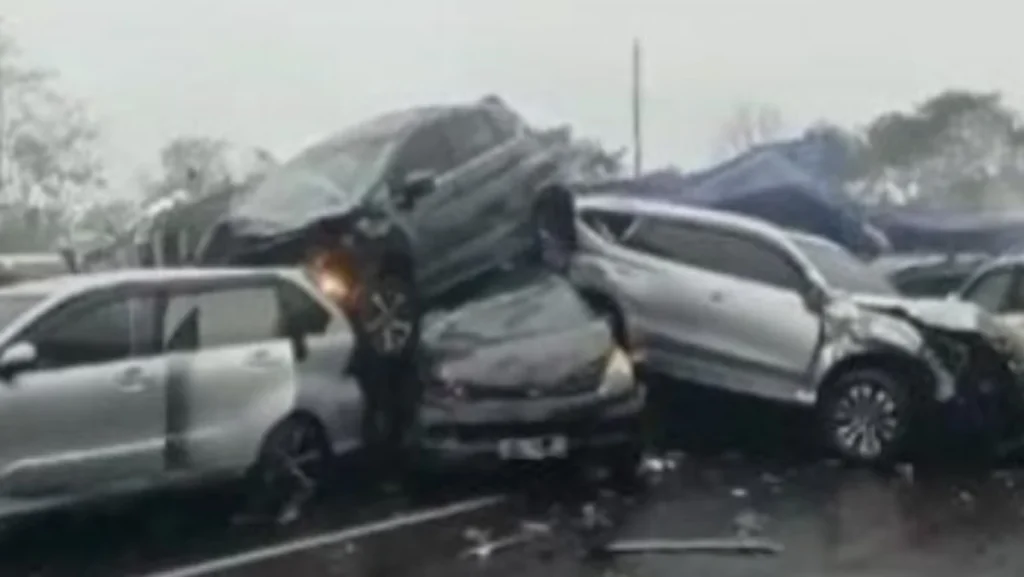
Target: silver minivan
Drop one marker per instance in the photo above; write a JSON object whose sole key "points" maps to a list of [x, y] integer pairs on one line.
{"points": [[124, 381]]}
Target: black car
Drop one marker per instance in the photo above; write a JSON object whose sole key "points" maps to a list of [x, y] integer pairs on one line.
{"points": [[929, 275], [526, 370], [396, 211]]}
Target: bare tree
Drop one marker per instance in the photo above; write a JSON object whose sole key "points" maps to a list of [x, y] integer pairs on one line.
{"points": [[749, 126]]}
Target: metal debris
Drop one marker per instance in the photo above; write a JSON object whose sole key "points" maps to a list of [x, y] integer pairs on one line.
{"points": [[527, 532], [723, 545], [739, 492], [749, 523]]}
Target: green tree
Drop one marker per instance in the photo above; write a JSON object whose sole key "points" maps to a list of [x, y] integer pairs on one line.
{"points": [[48, 156]]}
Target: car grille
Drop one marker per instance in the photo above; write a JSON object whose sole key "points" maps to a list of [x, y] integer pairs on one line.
{"points": [[584, 381]]}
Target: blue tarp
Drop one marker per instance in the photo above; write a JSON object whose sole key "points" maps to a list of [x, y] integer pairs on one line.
{"points": [[914, 230], [768, 182]]}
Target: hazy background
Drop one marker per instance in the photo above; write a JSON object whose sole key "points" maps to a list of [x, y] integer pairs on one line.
{"points": [[279, 73]]}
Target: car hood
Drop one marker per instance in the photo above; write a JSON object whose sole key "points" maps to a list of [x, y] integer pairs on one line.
{"points": [[953, 316], [945, 314], [289, 200], [528, 329]]}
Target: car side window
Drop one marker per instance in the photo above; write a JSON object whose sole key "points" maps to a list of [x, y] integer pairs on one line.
{"points": [[991, 292], [221, 317], [85, 334], [302, 312], [427, 149], [470, 134], [716, 251], [611, 225]]}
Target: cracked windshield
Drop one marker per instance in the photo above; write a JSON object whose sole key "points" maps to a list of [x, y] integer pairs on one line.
{"points": [[447, 287]]}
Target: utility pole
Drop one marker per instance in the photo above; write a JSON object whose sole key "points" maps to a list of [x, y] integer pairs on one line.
{"points": [[3, 130], [638, 146]]}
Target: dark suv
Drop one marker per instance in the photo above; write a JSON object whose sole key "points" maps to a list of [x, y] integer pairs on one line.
{"points": [[396, 211]]}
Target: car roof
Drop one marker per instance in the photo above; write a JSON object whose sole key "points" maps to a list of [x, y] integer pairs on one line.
{"points": [[661, 208], [68, 284]]}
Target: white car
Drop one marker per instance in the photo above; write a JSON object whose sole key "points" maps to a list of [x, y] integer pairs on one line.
{"points": [[124, 381]]}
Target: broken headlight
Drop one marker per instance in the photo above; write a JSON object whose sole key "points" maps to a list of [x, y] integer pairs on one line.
{"points": [[618, 377]]}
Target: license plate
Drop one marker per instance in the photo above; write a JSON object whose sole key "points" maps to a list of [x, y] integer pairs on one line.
{"points": [[533, 449]]}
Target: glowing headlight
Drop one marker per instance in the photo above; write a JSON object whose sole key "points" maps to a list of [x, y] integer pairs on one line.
{"points": [[333, 286], [618, 374]]}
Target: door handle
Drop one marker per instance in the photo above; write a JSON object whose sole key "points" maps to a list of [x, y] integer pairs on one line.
{"points": [[133, 380], [260, 359]]}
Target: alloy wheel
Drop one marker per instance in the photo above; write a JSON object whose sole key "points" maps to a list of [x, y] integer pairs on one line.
{"points": [[388, 320], [865, 420]]}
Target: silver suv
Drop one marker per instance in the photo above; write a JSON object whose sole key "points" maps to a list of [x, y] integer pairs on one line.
{"points": [[740, 304], [125, 381]]}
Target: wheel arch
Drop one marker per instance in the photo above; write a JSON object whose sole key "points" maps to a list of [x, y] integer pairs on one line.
{"points": [[903, 366]]}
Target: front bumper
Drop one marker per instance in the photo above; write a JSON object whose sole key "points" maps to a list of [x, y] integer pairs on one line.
{"points": [[471, 432]]}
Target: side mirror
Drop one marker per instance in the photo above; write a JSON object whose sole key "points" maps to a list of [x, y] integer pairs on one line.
{"points": [[815, 298], [415, 186], [17, 357]]}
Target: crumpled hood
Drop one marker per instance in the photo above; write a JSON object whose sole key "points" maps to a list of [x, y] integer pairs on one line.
{"points": [[289, 200], [531, 329], [544, 361], [945, 314], [954, 316]]}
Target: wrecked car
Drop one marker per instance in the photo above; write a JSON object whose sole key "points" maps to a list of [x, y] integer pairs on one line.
{"points": [[739, 304], [120, 382], [929, 275], [397, 210], [526, 370]]}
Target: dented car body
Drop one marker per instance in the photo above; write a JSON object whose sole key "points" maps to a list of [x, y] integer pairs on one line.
{"points": [[739, 304], [525, 370]]}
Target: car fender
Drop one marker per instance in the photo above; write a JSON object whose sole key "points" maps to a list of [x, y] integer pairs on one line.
{"points": [[868, 335]]}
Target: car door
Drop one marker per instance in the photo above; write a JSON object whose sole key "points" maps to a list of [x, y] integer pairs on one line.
{"points": [[330, 346], [90, 411], [650, 265], [759, 324], [433, 226], [491, 199], [233, 372]]}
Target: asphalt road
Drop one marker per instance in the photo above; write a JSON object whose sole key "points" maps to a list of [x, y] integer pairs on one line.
{"points": [[734, 468]]}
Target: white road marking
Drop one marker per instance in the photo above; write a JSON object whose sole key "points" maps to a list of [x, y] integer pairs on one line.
{"points": [[315, 541]]}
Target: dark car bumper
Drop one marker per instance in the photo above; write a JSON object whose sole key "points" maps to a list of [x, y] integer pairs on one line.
{"points": [[470, 433]]}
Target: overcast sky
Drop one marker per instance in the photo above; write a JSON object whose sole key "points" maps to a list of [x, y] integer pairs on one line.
{"points": [[280, 73]]}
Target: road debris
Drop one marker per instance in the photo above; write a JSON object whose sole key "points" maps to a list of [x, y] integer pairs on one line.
{"points": [[739, 492], [743, 545], [748, 523], [527, 532]]}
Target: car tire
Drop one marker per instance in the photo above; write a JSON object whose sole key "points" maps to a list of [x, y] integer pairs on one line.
{"points": [[292, 469], [386, 316], [865, 416], [553, 228]]}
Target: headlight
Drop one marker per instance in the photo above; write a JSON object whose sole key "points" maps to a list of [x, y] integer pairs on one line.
{"points": [[618, 375]]}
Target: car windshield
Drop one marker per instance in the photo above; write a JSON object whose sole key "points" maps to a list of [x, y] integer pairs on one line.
{"points": [[322, 181], [13, 306], [843, 271]]}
